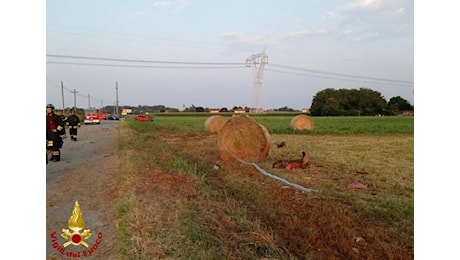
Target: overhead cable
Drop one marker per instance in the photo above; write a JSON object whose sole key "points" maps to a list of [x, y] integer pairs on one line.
{"points": [[330, 77], [339, 74], [144, 61], [140, 66]]}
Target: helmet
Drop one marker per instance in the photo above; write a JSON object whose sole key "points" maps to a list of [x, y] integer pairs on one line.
{"points": [[50, 106]]}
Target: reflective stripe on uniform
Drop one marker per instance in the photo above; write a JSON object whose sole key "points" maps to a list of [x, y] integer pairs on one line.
{"points": [[50, 143], [59, 128], [55, 152]]}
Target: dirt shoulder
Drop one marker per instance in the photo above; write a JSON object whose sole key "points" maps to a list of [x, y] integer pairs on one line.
{"points": [[87, 174]]}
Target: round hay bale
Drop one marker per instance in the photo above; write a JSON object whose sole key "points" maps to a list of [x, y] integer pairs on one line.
{"points": [[244, 138], [214, 123], [302, 122]]}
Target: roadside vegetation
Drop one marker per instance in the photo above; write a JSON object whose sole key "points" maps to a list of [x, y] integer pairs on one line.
{"points": [[174, 205]]}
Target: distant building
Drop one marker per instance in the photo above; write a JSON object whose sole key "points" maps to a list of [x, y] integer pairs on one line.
{"points": [[407, 112], [126, 111], [239, 111]]}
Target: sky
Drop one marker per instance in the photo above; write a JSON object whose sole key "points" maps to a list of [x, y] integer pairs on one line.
{"points": [[180, 53]]}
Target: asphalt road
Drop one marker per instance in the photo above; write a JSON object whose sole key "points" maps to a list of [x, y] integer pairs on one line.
{"points": [[87, 174], [94, 141]]}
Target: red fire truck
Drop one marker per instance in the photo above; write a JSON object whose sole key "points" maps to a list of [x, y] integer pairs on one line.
{"points": [[94, 116]]}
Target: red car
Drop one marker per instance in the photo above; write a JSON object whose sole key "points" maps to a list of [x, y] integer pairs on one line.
{"points": [[142, 118]]}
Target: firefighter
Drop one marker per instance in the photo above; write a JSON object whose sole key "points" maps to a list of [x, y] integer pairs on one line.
{"points": [[63, 134], [54, 129], [73, 123]]}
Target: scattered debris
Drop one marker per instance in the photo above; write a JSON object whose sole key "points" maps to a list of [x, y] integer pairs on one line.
{"points": [[216, 167], [289, 165], [357, 185], [359, 239], [279, 164], [305, 159], [293, 165], [281, 144]]}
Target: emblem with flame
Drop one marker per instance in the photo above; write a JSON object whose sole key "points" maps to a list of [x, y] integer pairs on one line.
{"points": [[76, 234]]}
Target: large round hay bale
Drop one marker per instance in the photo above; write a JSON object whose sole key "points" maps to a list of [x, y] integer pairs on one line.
{"points": [[302, 122], [244, 138], [214, 123]]}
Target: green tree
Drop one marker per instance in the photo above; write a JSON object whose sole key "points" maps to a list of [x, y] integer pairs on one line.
{"points": [[348, 102], [396, 104], [331, 108], [285, 108], [190, 109], [320, 101], [372, 102]]}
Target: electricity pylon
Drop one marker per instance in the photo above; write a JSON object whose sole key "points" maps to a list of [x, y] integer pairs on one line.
{"points": [[257, 62]]}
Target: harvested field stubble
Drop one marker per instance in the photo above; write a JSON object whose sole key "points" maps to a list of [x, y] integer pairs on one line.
{"points": [[237, 213]]}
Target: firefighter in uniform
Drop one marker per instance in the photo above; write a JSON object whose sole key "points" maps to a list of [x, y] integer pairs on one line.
{"points": [[63, 134], [73, 123], [54, 130]]}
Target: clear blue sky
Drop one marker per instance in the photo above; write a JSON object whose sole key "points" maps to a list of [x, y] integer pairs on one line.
{"points": [[307, 42]]}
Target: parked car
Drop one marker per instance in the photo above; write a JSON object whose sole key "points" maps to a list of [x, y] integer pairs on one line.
{"points": [[112, 117], [142, 118]]}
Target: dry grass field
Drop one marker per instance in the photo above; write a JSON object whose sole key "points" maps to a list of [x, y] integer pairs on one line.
{"points": [[174, 205]]}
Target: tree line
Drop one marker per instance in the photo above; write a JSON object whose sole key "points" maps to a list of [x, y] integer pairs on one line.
{"points": [[355, 102], [327, 102]]}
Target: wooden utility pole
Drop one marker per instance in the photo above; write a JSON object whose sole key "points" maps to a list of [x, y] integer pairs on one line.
{"points": [[74, 99], [89, 103], [116, 97], [62, 92]]}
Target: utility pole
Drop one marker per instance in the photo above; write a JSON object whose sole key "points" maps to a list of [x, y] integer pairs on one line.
{"points": [[74, 99], [116, 97], [257, 62], [62, 92], [89, 103]]}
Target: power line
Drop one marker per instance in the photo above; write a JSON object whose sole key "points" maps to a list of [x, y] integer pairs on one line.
{"points": [[141, 66], [144, 61], [74, 92], [56, 86], [330, 77], [220, 65], [341, 74], [215, 65]]}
